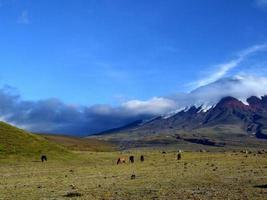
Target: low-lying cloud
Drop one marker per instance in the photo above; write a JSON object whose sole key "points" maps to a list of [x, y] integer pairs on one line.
{"points": [[154, 106], [54, 116], [240, 87]]}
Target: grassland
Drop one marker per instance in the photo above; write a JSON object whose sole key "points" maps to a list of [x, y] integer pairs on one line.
{"points": [[86, 168], [80, 144], [95, 175]]}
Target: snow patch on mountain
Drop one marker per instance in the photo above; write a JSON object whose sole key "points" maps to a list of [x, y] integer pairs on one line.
{"points": [[172, 113]]}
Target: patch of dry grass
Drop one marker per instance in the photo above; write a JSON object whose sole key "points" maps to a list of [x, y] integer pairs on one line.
{"points": [[81, 144]]}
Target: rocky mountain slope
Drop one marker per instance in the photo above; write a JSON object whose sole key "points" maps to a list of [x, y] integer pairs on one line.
{"points": [[229, 119]]}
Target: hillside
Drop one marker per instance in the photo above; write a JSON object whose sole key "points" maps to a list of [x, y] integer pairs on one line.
{"points": [[17, 142], [80, 144]]}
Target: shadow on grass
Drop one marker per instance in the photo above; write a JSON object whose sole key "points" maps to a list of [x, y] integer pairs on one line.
{"points": [[261, 186], [73, 194]]}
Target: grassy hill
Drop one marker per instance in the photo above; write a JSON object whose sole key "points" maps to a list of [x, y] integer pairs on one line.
{"points": [[17, 142], [81, 144]]}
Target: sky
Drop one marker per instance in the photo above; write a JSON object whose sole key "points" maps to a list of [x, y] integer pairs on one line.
{"points": [[70, 66]]}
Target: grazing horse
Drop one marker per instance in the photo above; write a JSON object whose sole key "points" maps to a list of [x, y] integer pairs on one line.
{"points": [[43, 158], [179, 156], [121, 160], [142, 158], [131, 159]]}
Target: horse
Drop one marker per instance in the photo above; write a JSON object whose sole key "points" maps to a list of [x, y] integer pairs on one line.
{"points": [[43, 158], [142, 158], [131, 159], [179, 156], [133, 176], [121, 160]]}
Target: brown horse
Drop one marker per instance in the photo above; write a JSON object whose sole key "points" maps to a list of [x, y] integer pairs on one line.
{"points": [[121, 160]]}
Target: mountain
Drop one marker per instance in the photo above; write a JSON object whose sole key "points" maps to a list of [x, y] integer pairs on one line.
{"points": [[17, 142], [239, 87], [230, 119]]}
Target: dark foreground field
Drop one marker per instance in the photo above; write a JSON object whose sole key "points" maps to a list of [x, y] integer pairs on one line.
{"points": [[92, 175]]}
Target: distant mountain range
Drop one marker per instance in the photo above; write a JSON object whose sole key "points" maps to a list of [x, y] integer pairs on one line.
{"points": [[228, 116]]}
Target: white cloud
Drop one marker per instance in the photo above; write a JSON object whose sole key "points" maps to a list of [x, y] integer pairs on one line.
{"points": [[240, 87], [155, 106], [24, 17], [222, 69]]}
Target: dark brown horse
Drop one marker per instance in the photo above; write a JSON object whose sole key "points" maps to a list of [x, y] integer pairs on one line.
{"points": [[121, 160], [131, 159], [43, 158], [179, 156], [142, 158]]}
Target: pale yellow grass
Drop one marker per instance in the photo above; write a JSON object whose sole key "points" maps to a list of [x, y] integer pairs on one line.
{"points": [[161, 176]]}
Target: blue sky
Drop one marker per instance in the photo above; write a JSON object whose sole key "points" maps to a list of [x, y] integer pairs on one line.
{"points": [[107, 51], [116, 52]]}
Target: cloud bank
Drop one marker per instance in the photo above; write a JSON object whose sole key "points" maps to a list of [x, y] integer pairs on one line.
{"points": [[54, 116]]}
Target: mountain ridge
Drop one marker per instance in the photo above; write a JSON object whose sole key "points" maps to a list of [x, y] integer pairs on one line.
{"points": [[251, 117]]}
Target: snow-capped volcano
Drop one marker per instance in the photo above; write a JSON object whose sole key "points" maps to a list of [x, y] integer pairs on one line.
{"points": [[250, 117], [239, 87], [238, 100]]}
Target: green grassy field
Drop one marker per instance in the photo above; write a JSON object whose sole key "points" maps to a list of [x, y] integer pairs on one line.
{"points": [[95, 175]]}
